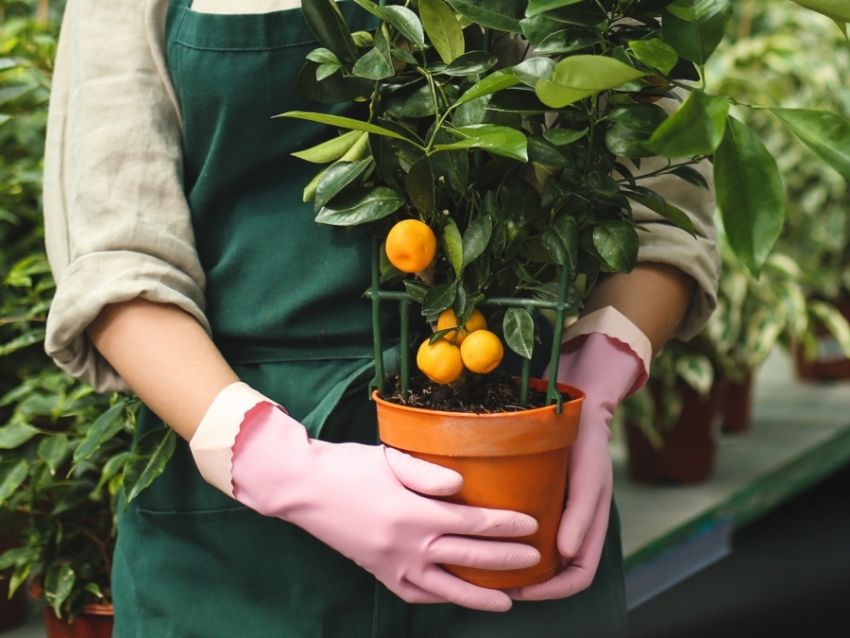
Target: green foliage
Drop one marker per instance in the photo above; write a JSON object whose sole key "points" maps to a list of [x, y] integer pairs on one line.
{"points": [[521, 114]]}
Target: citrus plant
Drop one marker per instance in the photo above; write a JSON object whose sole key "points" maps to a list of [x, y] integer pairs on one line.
{"points": [[515, 131]]}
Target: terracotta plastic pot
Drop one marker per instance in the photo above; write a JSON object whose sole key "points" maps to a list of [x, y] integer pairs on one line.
{"points": [[689, 449], [13, 612], [95, 622], [829, 364], [737, 405], [510, 460]]}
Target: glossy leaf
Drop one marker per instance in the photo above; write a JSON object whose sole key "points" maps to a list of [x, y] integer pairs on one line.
{"points": [[631, 127], [532, 70], [834, 322], [341, 121], [563, 137], [470, 64], [420, 186], [499, 140], [617, 245], [567, 230], [694, 28], [439, 298], [329, 151], [442, 28], [12, 479], [58, 585], [328, 25], [838, 10], [407, 23], [536, 7], [53, 450], [695, 129], [503, 15], [566, 41], [750, 194], [323, 56], [453, 245], [476, 238], [416, 289], [655, 53], [826, 133], [657, 203], [494, 82], [555, 247], [15, 434], [147, 460], [337, 177], [103, 429], [696, 370], [377, 63], [361, 206], [518, 328], [581, 76], [691, 175]]}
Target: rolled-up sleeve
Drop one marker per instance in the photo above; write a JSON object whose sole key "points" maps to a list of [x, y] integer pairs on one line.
{"points": [[696, 255], [117, 224]]}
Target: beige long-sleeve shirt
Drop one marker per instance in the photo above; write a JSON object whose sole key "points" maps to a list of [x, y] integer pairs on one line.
{"points": [[116, 218]]}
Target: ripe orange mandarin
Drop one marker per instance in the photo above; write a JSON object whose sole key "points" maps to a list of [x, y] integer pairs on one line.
{"points": [[411, 245], [482, 351], [441, 361], [447, 319]]}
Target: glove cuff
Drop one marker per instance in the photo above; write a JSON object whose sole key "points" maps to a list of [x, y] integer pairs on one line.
{"points": [[613, 324], [213, 441]]}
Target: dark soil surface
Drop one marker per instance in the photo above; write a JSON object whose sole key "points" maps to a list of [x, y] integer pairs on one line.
{"points": [[480, 394]]}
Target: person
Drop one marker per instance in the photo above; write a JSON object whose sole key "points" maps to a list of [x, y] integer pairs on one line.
{"points": [[189, 271]]}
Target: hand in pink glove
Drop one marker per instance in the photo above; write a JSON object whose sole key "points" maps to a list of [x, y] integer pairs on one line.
{"points": [[370, 504], [607, 370]]}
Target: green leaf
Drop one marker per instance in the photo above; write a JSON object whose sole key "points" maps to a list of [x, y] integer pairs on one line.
{"points": [[566, 227], [632, 126], [554, 246], [499, 140], [345, 122], [323, 56], [617, 245], [16, 434], [442, 28], [20, 342], [493, 83], [476, 238], [337, 177], [567, 41], [324, 71], [750, 194], [147, 461], [407, 23], [826, 133], [453, 245], [563, 136], [103, 429], [532, 70], [838, 10], [655, 53], [377, 63], [536, 7], [361, 206], [695, 129], [416, 289], [580, 76], [58, 585], [420, 186], [696, 370], [439, 298], [502, 15], [13, 479], [518, 328], [691, 175], [657, 203], [694, 28], [371, 7], [52, 450], [329, 151], [112, 467], [834, 322], [470, 64], [328, 25]]}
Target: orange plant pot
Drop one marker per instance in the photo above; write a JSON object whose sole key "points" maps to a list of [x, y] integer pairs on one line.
{"points": [[96, 621], [509, 460]]}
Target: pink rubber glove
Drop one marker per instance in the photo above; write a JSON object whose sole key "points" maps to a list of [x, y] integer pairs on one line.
{"points": [[366, 502], [607, 370]]}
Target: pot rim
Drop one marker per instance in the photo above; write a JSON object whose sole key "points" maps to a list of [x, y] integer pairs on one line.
{"points": [[577, 395]]}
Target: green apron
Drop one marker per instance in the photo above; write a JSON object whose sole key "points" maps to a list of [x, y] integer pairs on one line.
{"points": [[284, 299]]}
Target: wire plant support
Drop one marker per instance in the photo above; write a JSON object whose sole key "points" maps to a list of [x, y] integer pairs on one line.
{"points": [[377, 296]]}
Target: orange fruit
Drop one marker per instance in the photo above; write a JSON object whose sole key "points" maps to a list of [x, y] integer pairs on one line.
{"points": [[441, 361], [447, 319], [411, 245], [482, 351]]}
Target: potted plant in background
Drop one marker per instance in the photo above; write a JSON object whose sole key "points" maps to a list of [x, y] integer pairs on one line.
{"points": [[777, 58], [498, 184]]}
